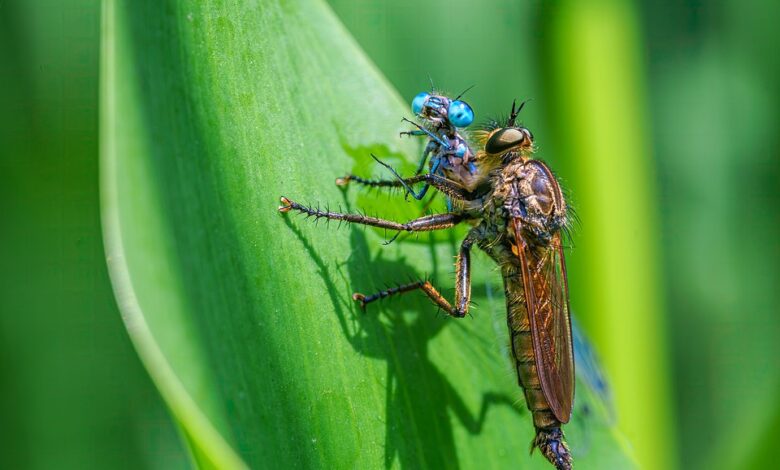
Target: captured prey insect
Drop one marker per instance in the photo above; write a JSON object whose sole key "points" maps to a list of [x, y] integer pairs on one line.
{"points": [[517, 218], [450, 154]]}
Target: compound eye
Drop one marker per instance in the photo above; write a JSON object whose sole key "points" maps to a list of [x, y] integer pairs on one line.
{"points": [[460, 114], [419, 101], [504, 139]]}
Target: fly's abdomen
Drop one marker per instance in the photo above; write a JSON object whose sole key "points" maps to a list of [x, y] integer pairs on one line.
{"points": [[529, 380], [525, 363]]}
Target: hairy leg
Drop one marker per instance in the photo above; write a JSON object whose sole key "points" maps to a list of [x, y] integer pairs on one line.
{"points": [[421, 224], [462, 287]]}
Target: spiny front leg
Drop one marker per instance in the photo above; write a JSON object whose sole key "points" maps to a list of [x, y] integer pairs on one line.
{"points": [[452, 189], [422, 224], [462, 287], [373, 183], [381, 183]]}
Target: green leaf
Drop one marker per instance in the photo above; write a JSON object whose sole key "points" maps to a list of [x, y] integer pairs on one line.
{"points": [[243, 316]]}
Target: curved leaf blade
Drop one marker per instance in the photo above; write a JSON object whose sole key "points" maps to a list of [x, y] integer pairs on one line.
{"points": [[243, 316]]}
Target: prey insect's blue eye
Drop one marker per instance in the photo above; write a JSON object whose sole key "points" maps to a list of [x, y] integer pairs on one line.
{"points": [[460, 114], [418, 102]]}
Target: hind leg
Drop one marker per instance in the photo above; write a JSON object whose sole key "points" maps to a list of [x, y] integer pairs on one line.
{"points": [[462, 287]]}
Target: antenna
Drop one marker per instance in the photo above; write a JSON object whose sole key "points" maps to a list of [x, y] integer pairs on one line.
{"points": [[515, 112], [464, 92]]}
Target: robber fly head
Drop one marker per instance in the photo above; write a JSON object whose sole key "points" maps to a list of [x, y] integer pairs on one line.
{"points": [[510, 138], [441, 110]]}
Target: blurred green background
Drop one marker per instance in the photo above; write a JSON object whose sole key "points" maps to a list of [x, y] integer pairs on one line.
{"points": [[663, 112]]}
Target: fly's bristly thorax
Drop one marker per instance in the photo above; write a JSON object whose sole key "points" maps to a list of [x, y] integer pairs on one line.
{"points": [[529, 191]]}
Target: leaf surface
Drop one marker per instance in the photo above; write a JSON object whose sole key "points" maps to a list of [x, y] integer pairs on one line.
{"points": [[244, 316]]}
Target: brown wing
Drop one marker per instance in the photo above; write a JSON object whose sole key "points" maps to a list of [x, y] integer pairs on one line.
{"points": [[547, 303]]}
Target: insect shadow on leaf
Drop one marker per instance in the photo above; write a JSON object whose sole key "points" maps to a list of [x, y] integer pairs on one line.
{"points": [[418, 397]]}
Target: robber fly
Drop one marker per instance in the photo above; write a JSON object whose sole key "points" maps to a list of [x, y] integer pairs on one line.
{"points": [[517, 217], [450, 154]]}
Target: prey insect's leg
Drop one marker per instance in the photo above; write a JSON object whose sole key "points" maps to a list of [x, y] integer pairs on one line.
{"points": [[428, 149], [462, 287], [422, 224], [409, 190], [417, 133], [427, 206], [430, 134]]}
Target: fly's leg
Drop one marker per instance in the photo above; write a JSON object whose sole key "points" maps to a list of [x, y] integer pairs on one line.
{"points": [[432, 145], [449, 187], [393, 183], [371, 183], [422, 224], [462, 287]]}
